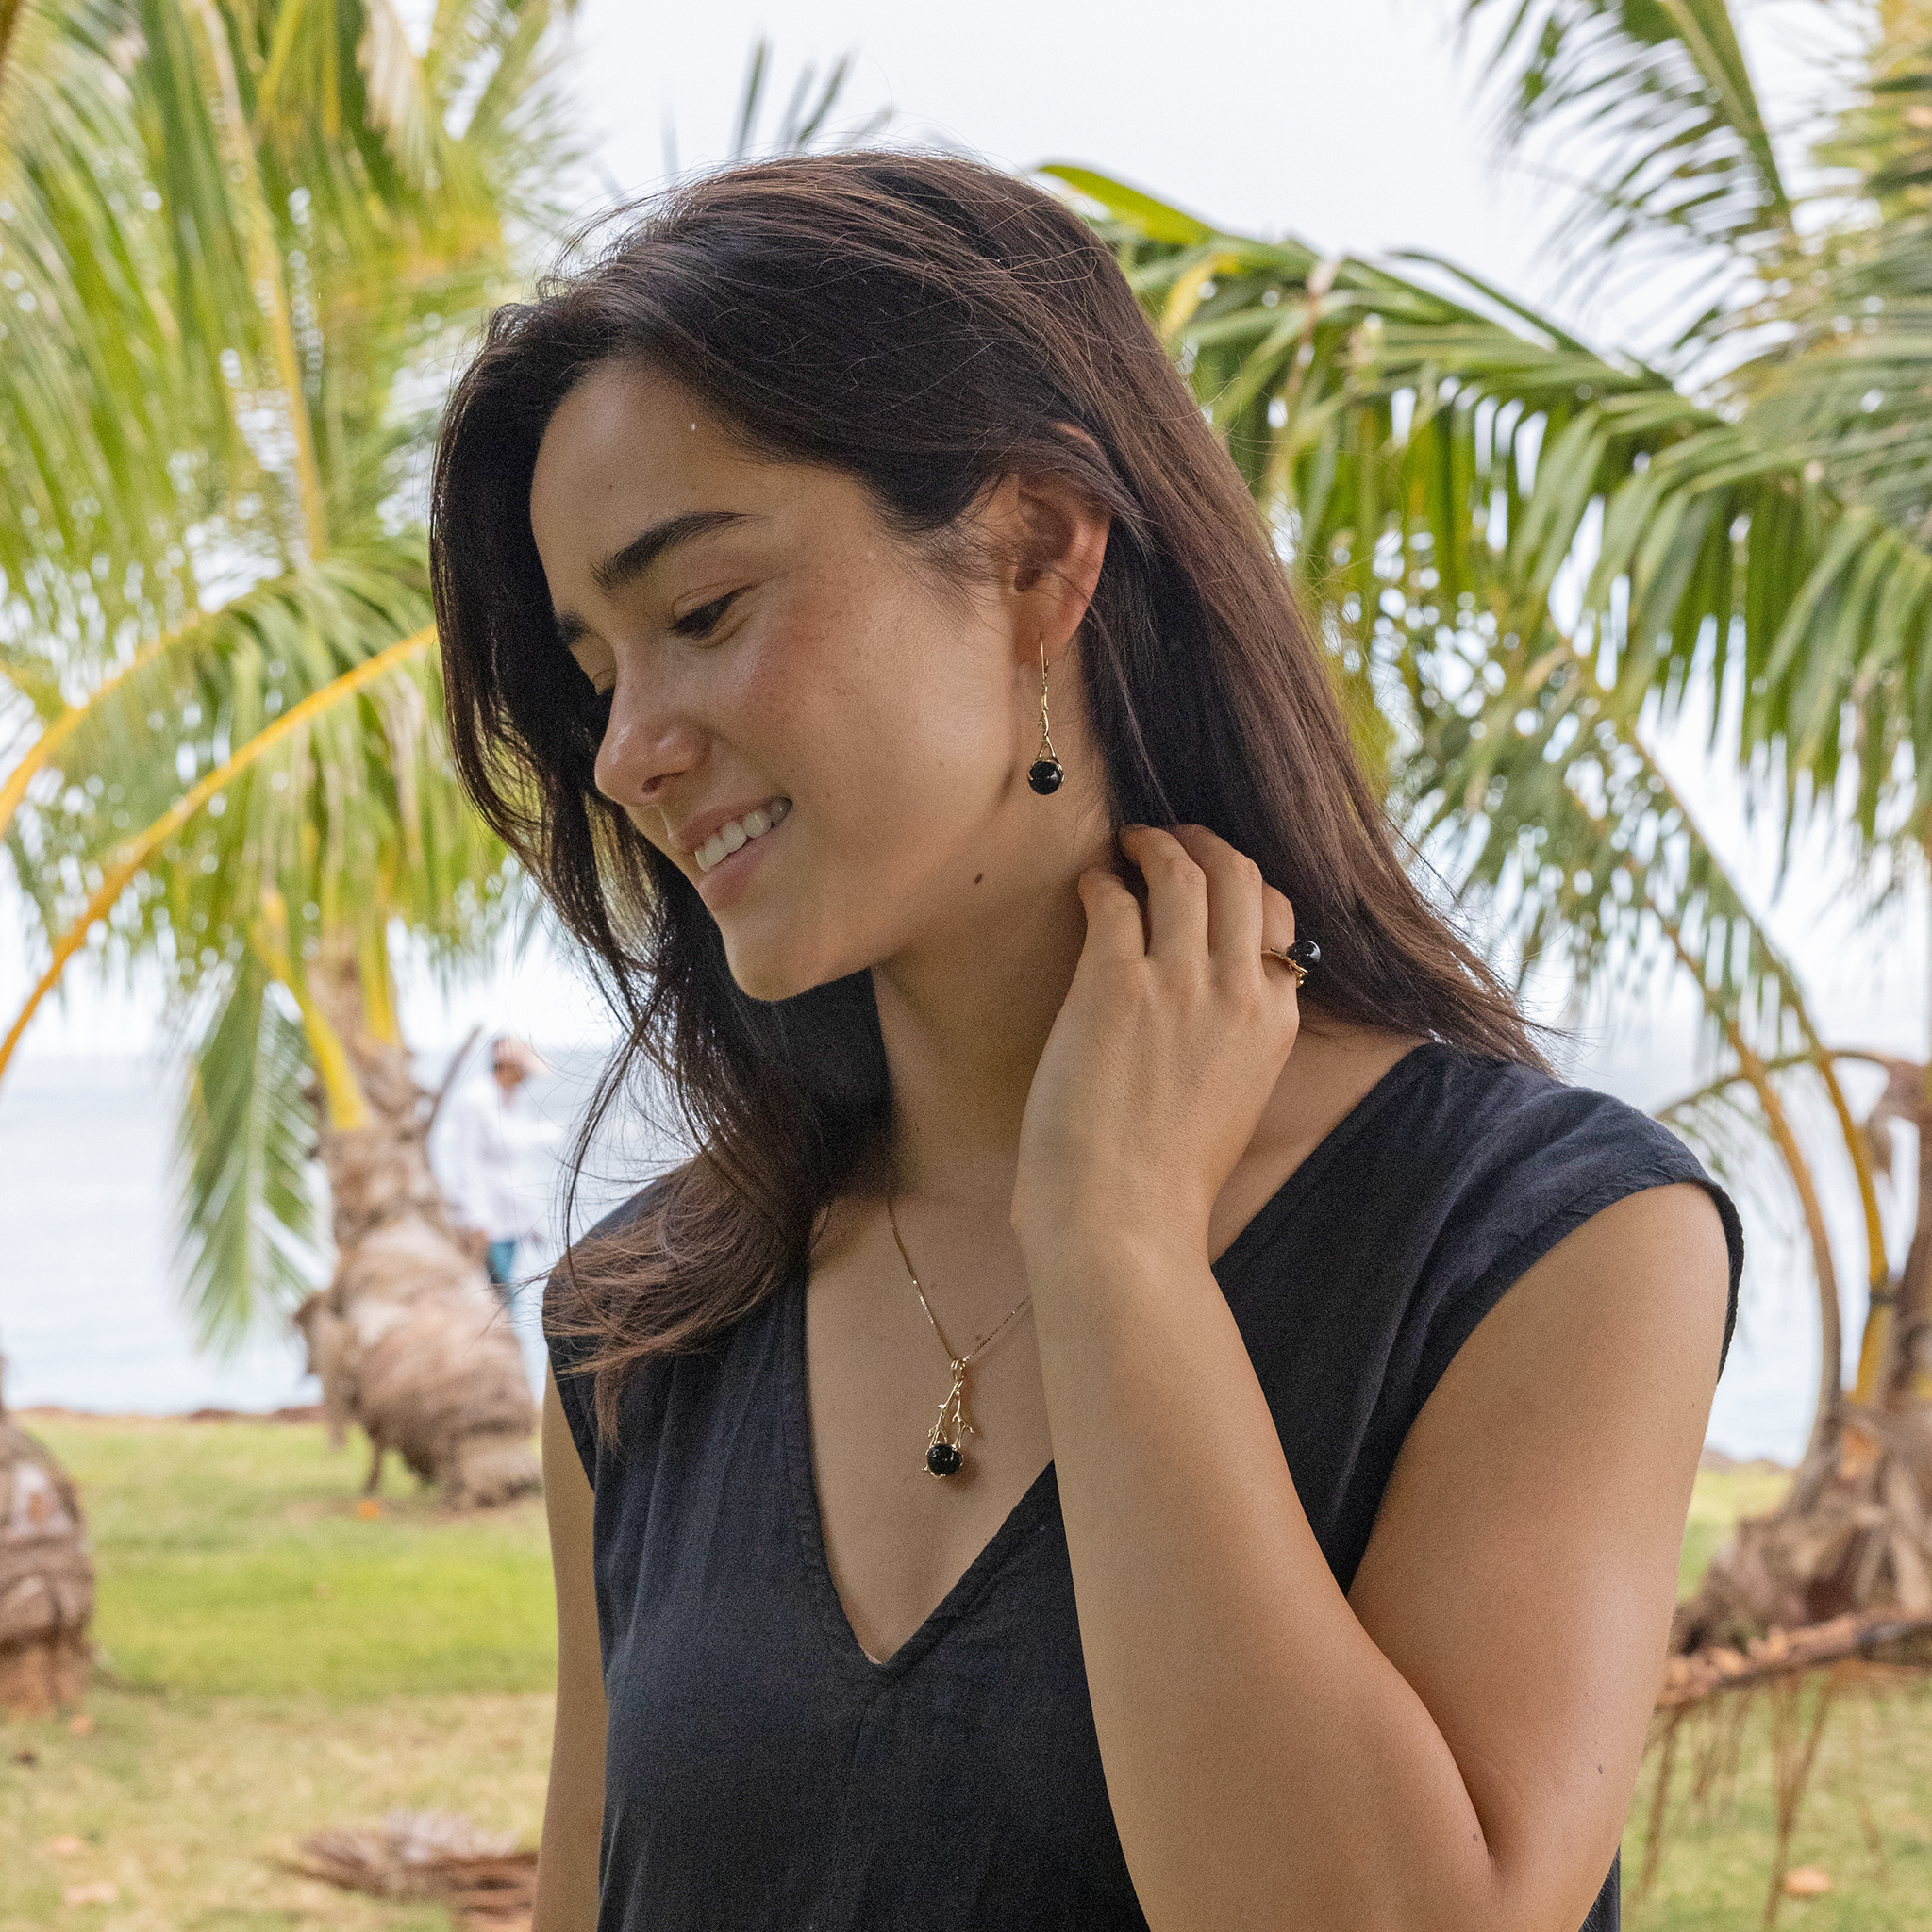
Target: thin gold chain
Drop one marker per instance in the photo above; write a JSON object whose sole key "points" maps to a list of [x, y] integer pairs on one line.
{"points": [[985, 1341]]}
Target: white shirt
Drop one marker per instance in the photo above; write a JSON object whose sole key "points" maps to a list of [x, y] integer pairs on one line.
{"points": [[500, 1160]]}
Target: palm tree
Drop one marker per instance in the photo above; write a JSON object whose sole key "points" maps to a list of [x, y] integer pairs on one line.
{"points": [[246, 240], [1526, 551], [47, 1579]]}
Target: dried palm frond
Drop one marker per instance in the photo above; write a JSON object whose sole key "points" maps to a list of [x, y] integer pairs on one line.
{"points": [[1802, 1674], [485, 1881]]}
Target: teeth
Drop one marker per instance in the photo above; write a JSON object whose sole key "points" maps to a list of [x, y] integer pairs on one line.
{"points": [[740, 832]]}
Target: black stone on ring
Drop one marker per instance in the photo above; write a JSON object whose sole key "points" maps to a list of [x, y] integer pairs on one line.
{"points": [[1301, 959]]}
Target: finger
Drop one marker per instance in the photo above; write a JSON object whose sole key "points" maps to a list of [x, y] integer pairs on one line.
{"points": [[1234, 896], [1278, 935], [1278, 920], [1176, 893], [1115, 926]]}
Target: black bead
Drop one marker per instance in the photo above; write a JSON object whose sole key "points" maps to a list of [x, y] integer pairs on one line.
{"points": [[1045, 776], [1306, 954], [944, 1459]]}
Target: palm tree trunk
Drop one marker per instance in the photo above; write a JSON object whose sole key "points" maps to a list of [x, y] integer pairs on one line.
{"points": [[1856, 1531], [47, 1579], [1902, 1384], [410, 1341], [9, 18]]}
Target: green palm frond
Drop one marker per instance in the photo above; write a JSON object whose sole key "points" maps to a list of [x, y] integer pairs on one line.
{"points": [[1436, 456], [189, 706], [251, 234], [247, 1221], [1571, 841], [1663, 89], [806, 121], [101, 469], [1444, 467], [353, 819]]}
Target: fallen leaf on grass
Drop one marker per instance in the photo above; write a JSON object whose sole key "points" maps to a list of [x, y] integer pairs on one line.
{"points": [[368, 1510], [81, 1726], [1807, 1881], [98, 1893], [66, 1846]]}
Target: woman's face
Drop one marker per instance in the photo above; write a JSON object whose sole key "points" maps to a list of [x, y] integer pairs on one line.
{"points": [[829, 740]]}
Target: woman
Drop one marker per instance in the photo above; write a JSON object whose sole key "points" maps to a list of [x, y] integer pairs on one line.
{"points": [[1095, 1436]]}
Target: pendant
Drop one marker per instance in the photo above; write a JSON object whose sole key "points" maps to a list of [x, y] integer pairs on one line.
{"points": [[942, 1450]]}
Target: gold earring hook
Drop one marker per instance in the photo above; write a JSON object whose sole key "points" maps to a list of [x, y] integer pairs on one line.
{"points": [[1046, 772]]}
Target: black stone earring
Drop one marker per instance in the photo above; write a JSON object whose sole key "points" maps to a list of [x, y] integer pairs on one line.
{"points": [[1046, 772]]}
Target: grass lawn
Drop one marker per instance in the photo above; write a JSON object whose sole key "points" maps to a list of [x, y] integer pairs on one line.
{"points": [[278, 1663], [275, 1663], [232, 1562]]}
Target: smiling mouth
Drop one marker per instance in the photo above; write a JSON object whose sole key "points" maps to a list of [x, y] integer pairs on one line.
{"points": [[731, 838]]}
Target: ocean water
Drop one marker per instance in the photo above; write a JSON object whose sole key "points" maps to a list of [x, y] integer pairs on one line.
{"points": [[90, 1317], [89, 1320]]}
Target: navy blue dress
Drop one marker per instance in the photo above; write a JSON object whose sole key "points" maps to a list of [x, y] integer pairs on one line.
{"points": [[763, 1774]]}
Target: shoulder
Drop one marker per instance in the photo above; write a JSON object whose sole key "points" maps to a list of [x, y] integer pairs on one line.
{"points": [[633, 1214], [1517, 1138], [1515, 1160], [575, 1303]]}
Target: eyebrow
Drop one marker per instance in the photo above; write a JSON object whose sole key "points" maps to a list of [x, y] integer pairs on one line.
{"points": [[625, 566]]}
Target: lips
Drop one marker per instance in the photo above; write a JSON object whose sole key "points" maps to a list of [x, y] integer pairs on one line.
{"points": [[735, 834]]}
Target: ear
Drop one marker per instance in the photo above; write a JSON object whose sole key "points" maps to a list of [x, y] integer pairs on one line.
{"points": [[1055, 535]]}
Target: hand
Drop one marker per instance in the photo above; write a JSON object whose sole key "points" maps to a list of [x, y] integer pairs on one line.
{"points": [[1173, 1035]]}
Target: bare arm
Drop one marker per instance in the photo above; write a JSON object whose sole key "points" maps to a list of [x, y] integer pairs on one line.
{"points": [[573, 1811], [1451, 1747]]}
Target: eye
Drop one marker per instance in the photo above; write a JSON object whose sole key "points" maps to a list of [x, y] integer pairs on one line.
{"points": [[592, 705], [702, 622]]}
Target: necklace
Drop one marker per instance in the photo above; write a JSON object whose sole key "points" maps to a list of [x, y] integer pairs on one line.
{"points": [[953, 1425]]}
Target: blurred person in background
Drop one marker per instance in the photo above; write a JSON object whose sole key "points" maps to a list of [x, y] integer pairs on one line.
{"points": [[500, 1155]]}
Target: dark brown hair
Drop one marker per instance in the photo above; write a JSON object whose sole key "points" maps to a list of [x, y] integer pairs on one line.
{"points": [[926, 325]]}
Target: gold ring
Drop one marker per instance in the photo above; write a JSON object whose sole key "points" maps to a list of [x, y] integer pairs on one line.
{"points": [[1299, 958]]}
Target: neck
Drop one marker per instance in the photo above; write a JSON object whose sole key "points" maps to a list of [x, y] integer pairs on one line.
{"points": [[964, 1022]]}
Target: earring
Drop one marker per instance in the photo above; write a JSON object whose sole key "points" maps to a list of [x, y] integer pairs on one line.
{"points": [[1046, 772]]}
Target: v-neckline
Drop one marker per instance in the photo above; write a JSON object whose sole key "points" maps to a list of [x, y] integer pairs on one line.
{"points": [[1042, 1493]]}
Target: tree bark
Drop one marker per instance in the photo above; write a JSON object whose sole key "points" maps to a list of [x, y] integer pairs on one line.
{"points": [[47, 1579], [1854, 1534], [411, 1342]]}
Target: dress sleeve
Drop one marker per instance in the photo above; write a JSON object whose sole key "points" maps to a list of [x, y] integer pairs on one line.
{"points": [[573, 1396], [1564, 1157], [570, 1352]]}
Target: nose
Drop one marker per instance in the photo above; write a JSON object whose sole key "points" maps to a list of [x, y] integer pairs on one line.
{"points": [[650, 740]]}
